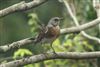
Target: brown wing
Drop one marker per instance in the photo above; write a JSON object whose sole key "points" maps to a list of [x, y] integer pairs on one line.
{"points": [[41, 34]]}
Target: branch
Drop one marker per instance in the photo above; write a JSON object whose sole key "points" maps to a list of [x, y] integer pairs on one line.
{"points": [[77, 23], [15, 45], [63, 31], [21, 7], [49, 56], [80, 27]]}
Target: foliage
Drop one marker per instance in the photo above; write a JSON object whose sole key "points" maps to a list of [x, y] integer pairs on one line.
{"points": [[25, 24], [21, 53]]}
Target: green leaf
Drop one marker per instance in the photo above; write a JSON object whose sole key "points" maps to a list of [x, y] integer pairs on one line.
{"points": [[21, 53]]}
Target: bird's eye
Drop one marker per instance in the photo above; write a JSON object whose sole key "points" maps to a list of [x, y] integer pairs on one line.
{"points": [[56, 19]]}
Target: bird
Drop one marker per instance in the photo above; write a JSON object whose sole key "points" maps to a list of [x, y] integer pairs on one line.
{"points": [[49, 33]]}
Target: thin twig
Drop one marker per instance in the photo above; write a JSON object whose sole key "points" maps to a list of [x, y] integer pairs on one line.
{"points": [[77, 23]]}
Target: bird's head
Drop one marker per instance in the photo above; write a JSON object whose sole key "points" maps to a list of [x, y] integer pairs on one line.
{"points": [[55, 21]]}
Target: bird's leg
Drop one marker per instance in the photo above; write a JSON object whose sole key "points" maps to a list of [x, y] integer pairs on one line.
{"points": [[52, 48]]}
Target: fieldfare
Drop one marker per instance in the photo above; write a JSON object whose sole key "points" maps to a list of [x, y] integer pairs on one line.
{"points": [[49, 33]]}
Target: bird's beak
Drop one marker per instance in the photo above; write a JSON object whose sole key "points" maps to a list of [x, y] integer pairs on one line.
{"points": [[61, 18]]}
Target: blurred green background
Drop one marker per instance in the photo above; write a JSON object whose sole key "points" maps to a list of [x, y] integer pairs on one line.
{"points": [[20, 25]]}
